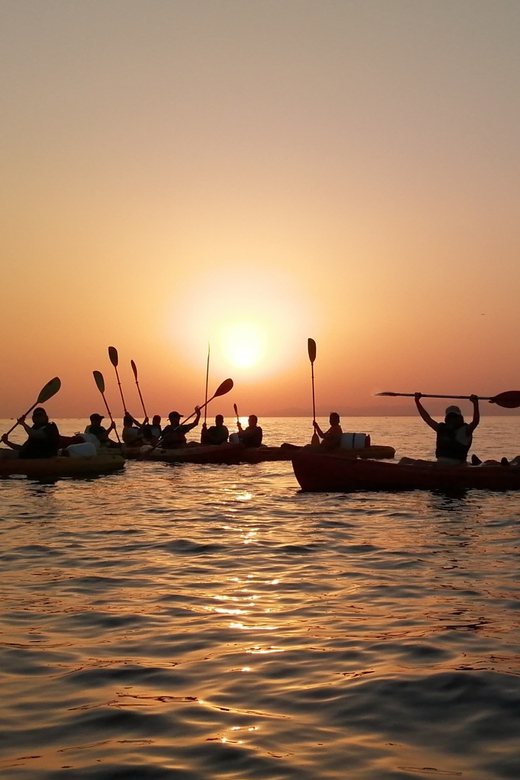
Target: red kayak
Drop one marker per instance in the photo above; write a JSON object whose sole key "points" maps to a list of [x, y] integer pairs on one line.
{"points": [[326, 472]]}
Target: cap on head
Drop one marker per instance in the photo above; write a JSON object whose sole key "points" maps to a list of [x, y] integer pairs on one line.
{"points": [[96, 417], [175, 414], [453, 410]]}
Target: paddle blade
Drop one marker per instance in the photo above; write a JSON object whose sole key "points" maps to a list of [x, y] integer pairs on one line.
{"points": [[235, 407], [315, 439], [134, 369], [112, 354], [50, 389], [311, 348], [224, 388], [393, 395], [508, 400], [100, 382]]}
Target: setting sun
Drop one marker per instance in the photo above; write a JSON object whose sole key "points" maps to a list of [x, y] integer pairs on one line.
{"points": [[248, 341], [243, 343]]}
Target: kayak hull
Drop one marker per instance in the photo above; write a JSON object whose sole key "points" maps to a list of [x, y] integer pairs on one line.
{"points": [[54, 468], [232, 454], [325, 472]]}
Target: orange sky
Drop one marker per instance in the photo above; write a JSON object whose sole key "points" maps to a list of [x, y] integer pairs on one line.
{"points": [[249, 174]]}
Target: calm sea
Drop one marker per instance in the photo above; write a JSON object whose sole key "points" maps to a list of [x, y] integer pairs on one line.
{"points": [[212, 622]]}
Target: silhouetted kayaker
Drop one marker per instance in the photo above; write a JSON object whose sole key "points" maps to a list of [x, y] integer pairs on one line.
{"points": [[454, 436], [252, 435], [152, 431], [132, 434], [215, 434], [332, 437], [43, 437], [99, 431], [174, 435]]}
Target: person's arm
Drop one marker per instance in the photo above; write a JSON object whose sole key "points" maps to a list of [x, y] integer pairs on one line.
{"points": [[476, 412], [195, 422], [32, 433], [318, 430], [12, 445], [424, 414]]}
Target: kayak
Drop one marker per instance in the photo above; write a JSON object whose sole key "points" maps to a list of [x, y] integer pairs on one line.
{"points": [[227, 454], [60, 466], [232, 454], [326, 472]]}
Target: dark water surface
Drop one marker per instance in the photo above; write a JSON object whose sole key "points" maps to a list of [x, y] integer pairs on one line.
{"points": [[193, 622]]}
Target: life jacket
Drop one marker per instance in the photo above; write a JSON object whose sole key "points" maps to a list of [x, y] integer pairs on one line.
{"points": [[453, 443], [42, 448]]}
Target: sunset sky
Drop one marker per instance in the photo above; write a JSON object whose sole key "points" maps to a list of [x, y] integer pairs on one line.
{"points": [[246, 174]]}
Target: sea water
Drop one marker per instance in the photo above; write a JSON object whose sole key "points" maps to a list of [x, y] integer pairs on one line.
{"points": [[192, 622]]}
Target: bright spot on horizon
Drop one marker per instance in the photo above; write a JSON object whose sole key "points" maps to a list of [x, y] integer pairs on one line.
{"points": [[250, 334], [243, 343]]}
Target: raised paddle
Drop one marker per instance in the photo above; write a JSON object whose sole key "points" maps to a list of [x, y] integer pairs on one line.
{"points": [[134, 369], [508, 400], [100, 382], [235, 407], [311, 348], [222, 389], [50, 389], [207, 380], [114, 359]]}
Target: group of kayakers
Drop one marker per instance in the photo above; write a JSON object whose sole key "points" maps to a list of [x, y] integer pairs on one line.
{"points": [[453, 435], [173, 435], [44, 440]]}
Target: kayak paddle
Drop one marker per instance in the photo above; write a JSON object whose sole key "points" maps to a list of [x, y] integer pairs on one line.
{"points": [[50, 389], [100, 382], [222, 389], [311, 348], [134, 369], [114, 359], [508, 400]]}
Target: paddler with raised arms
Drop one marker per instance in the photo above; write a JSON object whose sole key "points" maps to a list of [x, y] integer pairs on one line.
{"points": [[454, 436]]}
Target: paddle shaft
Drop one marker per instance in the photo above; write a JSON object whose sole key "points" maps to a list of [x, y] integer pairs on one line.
{"points": [[206, 391], [111, 418], [431, 395], [114, 359], [134, 369], [100, 384]]}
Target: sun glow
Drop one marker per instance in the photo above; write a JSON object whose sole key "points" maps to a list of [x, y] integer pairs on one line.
{"points": [[244, 344], [251, 333]]}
